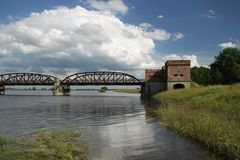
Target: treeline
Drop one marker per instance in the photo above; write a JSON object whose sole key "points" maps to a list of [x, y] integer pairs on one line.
{"points": [[224, 70]]}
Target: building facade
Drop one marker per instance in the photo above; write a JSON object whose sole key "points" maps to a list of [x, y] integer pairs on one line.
{"points": [[174, 75]]}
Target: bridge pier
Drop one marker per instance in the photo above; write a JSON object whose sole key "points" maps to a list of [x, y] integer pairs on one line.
{"points": [[2, 89], [61, 89]]}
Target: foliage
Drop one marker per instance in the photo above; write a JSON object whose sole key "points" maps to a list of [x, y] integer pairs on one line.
{"points": [[228, 64], [224, 70], [201, 75], [55, 145], [209, 115], [103, 89]]}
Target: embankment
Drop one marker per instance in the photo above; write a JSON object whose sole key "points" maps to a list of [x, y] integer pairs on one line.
{"points": [[208, 115], [127, 90]]}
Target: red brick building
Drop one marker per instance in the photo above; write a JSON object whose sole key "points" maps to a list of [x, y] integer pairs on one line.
{"points": [[175, 74]]}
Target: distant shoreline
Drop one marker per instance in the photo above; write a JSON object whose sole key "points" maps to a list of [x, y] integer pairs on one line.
{"points": [[134, 91]]}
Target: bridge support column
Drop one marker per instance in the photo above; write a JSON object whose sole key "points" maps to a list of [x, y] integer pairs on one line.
{"points": [[61, 89], [2, 89]]}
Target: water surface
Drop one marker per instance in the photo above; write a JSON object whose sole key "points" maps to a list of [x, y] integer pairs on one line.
{"points": [[120, 126]]}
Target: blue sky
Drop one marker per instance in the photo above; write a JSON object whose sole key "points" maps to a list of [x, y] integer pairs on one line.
{"points": [[178, 29]]}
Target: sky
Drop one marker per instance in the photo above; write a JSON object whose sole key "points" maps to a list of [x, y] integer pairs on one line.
{"points": [[62, 37]]}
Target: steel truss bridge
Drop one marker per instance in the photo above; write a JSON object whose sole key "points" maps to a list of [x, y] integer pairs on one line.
{"points": [[84, 78], [27, 79]]}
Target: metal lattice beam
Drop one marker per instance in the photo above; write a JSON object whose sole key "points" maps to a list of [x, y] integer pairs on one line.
{"points": [[101, 78], [27, 79], [84, 78]]}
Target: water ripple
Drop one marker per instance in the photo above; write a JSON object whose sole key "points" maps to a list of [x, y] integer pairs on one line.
{"points": [[120, 126]]}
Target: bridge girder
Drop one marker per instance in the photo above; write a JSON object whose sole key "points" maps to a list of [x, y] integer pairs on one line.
{"points": [[101, 78], [84, 78], [27, 79]]}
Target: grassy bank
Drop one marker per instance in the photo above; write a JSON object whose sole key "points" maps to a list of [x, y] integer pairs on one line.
{"points": [[127, 90], [209, 115], [55, 145]]}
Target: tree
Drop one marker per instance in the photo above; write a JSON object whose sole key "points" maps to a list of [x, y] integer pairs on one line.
{"points": [[226, 67], [103, 89], [216, 77], [201, 75]]}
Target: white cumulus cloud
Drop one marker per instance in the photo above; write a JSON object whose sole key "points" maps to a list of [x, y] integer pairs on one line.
{"points": [[160, 16], [178, 36], [211, 14], [145, 26], [113, 6], [193, 58], [227, 45], [159, 34], [62, 38]]}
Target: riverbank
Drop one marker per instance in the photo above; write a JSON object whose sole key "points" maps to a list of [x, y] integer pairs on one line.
{"points": [[208, 115], [54, 145], [136, 91]]}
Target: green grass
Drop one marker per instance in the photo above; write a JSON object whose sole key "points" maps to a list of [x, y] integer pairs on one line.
{"points": [[208, 115], [45, 145], [127, 90]]}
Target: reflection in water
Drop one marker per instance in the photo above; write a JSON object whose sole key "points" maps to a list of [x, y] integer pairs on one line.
{"points": [[150, 104], [120, 126]]}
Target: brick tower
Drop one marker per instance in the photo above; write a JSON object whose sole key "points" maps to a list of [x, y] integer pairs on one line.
{"points": [[178, 74], [155, 81]]}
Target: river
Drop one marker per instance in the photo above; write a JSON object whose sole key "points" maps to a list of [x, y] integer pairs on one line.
{"points": [[119, 126]]}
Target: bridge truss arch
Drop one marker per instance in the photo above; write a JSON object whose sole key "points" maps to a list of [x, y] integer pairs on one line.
{"points": [[27, 79], [101, 78]]}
